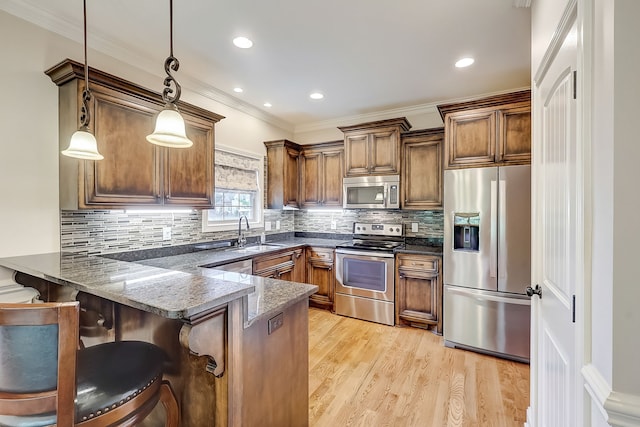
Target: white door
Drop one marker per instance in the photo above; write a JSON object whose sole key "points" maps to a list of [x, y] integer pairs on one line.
{"points": [[557, 237]]}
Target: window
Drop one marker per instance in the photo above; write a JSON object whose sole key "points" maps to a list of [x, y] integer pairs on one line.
{"points": [[238, 184]]}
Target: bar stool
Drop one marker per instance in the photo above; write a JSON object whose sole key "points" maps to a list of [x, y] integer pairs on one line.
{"points": [[45, 380]]}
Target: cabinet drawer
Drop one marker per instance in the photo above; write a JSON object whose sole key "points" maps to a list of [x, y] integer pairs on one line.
{"points": [[320, 253], [268, 261], [424, 264]]}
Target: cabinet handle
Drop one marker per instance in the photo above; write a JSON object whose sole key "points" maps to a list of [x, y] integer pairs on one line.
{"points": [[330, 268]]}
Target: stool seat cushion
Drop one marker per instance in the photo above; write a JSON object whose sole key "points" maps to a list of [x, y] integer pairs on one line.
{"points": [[109, 375]]}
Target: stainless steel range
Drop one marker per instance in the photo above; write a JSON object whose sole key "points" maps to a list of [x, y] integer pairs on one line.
{"points": [[365, 270]]}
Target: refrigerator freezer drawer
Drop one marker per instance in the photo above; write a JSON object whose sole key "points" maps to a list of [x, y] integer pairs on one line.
{"points": [[489, 322]]}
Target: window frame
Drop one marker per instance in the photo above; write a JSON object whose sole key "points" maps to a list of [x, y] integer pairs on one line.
{"points": [[258, 222]]}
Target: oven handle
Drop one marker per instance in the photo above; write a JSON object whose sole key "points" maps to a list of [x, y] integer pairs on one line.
{"points": [[366, 253]]}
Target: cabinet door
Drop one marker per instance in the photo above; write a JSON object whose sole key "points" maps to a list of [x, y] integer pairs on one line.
{"points": [[419, 291], [384, 151], [320, 273], [356, 154], [332, 173], [421, 177], [188, 173], [130, 173], [471, 138], [311, 179], [514, 142]]}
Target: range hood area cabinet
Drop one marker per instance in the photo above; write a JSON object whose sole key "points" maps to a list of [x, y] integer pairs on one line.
{"points": [[491, 131], [283, 174], [134, 172], [421, 178], [373, 148]]}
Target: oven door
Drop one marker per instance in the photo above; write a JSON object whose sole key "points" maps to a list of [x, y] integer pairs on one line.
{"points": [[365, 274]]}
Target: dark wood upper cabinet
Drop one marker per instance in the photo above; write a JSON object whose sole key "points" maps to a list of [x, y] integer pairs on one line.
{"points": [[133, 172], [373, 148], [421, 184], [321, 171], [487, 132], [283, 174]]}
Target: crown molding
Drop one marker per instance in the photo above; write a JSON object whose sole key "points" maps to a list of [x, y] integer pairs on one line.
{"points": [[429, 108]]}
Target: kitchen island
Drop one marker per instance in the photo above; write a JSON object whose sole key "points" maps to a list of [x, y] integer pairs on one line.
{"points": [[237, 344]]}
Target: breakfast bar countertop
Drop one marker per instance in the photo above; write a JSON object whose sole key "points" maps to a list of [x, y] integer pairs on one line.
{"points": [[178, 292]]}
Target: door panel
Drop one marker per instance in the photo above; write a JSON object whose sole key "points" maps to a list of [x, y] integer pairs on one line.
{"points": [[558, 243], [514, 235], [469, 192]]}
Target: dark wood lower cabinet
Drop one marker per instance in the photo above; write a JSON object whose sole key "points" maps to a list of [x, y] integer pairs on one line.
{"points": [[283, 265], [419, 291], [320, 272]]}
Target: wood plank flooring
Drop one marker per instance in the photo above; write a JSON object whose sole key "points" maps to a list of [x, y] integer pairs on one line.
{"points": [[366, 374]]}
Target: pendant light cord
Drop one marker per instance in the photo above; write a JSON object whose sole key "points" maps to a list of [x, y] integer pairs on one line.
{"points": [[170, 28], [86, 95], [171, 95]]}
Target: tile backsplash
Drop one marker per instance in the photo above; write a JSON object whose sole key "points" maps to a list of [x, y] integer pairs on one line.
{"points": [[97, 232], [430, 223], [108, 231]]}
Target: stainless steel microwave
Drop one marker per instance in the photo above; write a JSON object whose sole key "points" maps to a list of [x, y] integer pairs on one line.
{"points": [[371, 192]]}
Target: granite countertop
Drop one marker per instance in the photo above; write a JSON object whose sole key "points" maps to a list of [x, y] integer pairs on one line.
{"points": [[421, 250], [172, 286]]}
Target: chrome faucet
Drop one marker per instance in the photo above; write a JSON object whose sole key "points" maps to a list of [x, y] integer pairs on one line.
{"points": [[241, 239]]}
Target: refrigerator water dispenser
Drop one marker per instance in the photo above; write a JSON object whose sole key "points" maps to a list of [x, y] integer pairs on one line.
{"points": [[466, 231]]}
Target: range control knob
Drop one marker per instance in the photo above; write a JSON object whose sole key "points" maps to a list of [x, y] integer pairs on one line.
{"points": [[358, 228]]}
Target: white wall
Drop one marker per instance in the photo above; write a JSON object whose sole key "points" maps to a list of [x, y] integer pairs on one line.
{"points": [[626, 234], [29, 159], [29, 217]]}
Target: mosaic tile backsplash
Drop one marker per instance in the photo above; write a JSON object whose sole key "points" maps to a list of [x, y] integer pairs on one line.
{"points": [[104, 231]]}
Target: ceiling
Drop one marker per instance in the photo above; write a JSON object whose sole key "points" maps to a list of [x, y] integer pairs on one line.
{"points": [[365, 56]]}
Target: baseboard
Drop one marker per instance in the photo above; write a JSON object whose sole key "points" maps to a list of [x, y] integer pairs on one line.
{"points": [[529, 422], [619, 409], [623, 409], [597, 387]]}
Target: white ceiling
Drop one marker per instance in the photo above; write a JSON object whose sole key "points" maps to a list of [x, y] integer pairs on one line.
{"points": [[365, 55]]}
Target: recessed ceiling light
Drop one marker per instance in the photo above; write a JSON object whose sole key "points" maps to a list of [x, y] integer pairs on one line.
{"points": [[238, 90], [316, 95], [464, 62], [242, 42], [267, 104]]}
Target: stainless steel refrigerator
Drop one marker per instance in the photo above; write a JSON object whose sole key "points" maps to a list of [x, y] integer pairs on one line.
{"points": [[487, 260]]}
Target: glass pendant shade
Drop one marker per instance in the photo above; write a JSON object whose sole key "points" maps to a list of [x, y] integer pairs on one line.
{"points": [[83, 145], [170, 130]]}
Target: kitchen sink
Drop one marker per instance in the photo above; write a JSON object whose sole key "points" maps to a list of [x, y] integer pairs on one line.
{"points": [[258, 248]]}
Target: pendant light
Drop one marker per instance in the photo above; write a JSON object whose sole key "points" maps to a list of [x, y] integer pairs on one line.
{"points": [[83, 144], [170, 129]]}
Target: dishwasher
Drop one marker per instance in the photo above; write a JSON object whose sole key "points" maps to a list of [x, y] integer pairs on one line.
{"points": [[244, 267]]}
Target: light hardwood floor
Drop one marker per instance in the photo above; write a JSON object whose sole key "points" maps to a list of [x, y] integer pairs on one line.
{"points": [[366, 374]]}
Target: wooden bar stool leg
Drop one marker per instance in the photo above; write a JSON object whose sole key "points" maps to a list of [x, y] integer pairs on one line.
{"points": [[168, 400]]}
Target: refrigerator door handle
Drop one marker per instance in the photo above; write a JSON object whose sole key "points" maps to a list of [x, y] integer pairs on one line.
{"points": [[493, 246], [502, 220]]}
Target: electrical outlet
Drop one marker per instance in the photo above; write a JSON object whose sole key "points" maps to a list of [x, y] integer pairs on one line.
{"points": [[277, 225], [334, 225], [267, 226], [166, 233], [275, 323], [414, 227]]}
